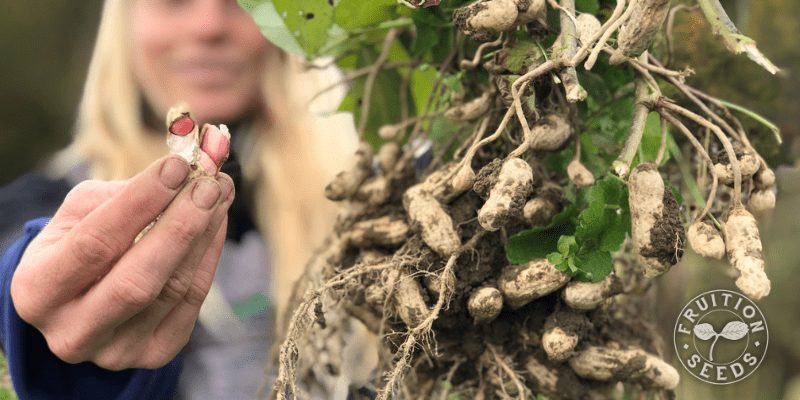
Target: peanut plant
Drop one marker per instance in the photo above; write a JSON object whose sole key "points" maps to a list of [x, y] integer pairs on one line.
{"points": [[514, 263]]}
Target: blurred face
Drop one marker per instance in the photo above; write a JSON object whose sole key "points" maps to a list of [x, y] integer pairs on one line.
{"points": [[208, 53]]}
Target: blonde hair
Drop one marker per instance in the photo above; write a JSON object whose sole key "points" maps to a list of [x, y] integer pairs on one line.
{"points": [[288, 160]]}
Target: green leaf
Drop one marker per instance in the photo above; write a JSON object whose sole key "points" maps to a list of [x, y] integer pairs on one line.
{"points": [[572, 268], [422, 81], [339, 42], [538, 242], [441, 129], [555, 258], [651, 141], [358, 14], [567, 244], [593, 266], [587, 6], [308, 21], [606, 219], [271, 25], [428, 32], [522, 54]]}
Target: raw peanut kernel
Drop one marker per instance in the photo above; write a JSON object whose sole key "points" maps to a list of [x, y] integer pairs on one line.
{"points": [[182, 126]]}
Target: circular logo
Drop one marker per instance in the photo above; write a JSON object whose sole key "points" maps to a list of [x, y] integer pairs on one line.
{"points": [[721, 337]]}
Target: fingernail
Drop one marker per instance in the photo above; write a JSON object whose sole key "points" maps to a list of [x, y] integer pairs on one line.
{"points": [[173, 172], [205, 193], [227, 189]]}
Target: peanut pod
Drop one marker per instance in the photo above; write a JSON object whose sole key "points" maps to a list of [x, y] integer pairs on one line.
{"points": [[508, 195], [531, 11], [588, 25], [658, 234], [589, 295], [183, 133], [484, 19], [387, 156], [706, 240], [346, 183], [435, 225], [374, 191], [521, 284], [743, 245], [579, 174], [384, 231], [471, 109], [484, 304], [409, 304], [562, 332], [761, 201], [748, 165], [539, 210], [558, 381], [550, 133], [634, 365], [764, 178], [637, 32]]}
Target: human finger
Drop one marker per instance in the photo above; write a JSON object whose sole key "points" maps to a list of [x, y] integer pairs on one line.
{"points": [[89, 250], [181, 279], [139, 276], [174, 330]]}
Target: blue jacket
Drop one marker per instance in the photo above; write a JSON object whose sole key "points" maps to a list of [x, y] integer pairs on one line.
{"points": [[38, 374]]}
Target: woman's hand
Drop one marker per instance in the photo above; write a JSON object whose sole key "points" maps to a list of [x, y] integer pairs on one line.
{"points": [[96, 296]]}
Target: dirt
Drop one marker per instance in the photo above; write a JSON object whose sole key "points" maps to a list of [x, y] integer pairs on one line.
{"points": [[720, 156], [486, 178], [668, 236], [571, 322]]}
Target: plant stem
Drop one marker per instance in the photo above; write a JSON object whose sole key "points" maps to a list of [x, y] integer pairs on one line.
{"points": [[584, 49], [726, 143], [670, 25], [640, 110], [689, 92], [691, 183], [752, 114], [613, 26], [666, 116], [373, 73], [471, 64], [569, 44], [722, 25], [517, 88], [663, 147]]}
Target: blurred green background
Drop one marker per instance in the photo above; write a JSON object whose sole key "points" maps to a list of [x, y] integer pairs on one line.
{"points": [[47, 45]]}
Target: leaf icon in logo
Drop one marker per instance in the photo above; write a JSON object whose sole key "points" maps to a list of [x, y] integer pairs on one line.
{"points": [[706, 331], [734, 330]]}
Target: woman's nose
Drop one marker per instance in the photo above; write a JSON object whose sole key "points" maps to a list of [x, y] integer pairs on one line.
{"points": [[211, 19]]}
